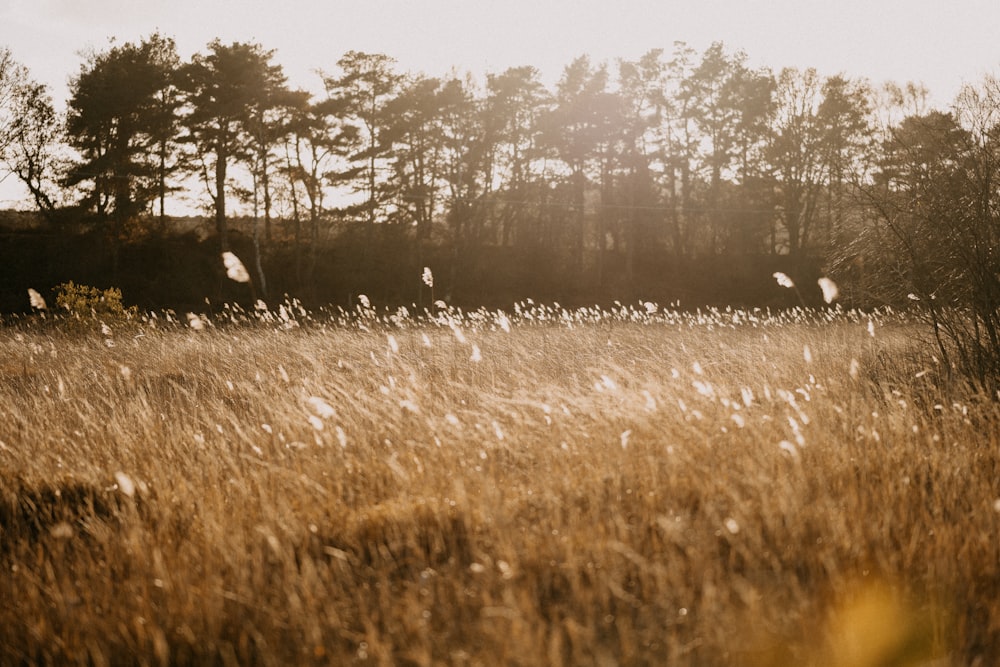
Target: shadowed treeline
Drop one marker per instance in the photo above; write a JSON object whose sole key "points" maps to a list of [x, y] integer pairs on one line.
{"points": [[663, 177], [182, 271]]}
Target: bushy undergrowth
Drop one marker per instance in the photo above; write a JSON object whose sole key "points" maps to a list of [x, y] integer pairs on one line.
{"points": [[631, 486], [82, 302]]}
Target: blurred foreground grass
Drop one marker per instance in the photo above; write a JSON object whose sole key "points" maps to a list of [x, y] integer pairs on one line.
{"points": [[697, 491]]}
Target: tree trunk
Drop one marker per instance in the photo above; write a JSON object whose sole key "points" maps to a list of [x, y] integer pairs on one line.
{"points": [[221, 227], [258, 265], [296, 220], [163, 188], [579, 191], [265, 180]]}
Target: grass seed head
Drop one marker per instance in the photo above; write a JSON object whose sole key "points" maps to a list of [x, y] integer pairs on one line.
{"points": [[783, 279], [37, 302], [321, 407], [125, 484], [234, 268], [830, 289]]}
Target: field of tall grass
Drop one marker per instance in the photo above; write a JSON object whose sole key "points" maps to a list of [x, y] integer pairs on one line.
{"points": [[630, 486]]}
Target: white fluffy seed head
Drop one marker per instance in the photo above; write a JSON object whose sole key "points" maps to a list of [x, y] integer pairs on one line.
{"points": [[789, 449], [125, 484], [234, 268], [321, 407], [783, 279], [830, 289], [37, 302]]}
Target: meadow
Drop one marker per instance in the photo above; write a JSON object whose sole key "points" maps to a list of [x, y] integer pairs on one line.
{"points": [[631, 486]]}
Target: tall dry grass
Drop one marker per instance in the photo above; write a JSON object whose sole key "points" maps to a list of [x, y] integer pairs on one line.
{"points": [[718, 488]]}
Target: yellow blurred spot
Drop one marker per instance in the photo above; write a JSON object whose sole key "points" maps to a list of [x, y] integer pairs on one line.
{"points": [[874, 628]]}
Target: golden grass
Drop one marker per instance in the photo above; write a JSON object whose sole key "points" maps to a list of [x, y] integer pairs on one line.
{"points": [[683, 491]]}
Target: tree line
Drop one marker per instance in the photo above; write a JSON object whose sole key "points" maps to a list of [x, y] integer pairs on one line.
{"points": [[615, 175]]}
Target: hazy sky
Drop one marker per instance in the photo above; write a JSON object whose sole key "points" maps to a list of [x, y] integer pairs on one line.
{"points": [[939, 42]]}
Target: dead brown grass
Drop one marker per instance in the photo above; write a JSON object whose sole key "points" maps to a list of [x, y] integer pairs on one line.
{"points": [[630, 494]]}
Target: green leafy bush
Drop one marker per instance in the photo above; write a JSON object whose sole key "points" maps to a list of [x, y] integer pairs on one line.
{"points": [[84, 302]]}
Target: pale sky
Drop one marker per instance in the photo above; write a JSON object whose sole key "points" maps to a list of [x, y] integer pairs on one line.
{"points": [[941, 43]]}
